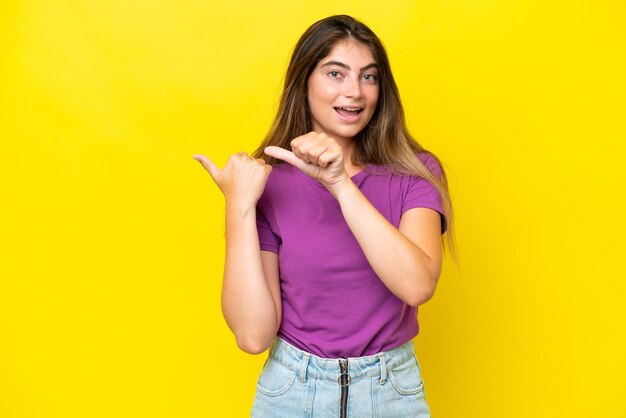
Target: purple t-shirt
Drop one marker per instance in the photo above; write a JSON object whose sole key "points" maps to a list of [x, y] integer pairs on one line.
{"points": [[333, 303]]}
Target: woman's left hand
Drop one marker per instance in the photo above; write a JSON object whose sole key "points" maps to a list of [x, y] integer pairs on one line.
{"points": [[318, 156]]}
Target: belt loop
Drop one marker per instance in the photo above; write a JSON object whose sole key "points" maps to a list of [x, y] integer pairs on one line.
{"points": [[303, 365], [383, 368]]}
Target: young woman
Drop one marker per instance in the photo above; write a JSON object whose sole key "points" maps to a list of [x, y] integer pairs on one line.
{"points": [[334, 236]]}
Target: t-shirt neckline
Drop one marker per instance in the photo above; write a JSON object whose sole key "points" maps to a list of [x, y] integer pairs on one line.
{"points": [[362, 173]]}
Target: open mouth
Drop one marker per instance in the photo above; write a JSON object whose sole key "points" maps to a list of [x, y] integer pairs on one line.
{"points": [[348, 111]]}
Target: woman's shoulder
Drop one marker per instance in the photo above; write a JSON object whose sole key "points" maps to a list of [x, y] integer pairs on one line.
{"points": [[281, 170], [284, 176], [431, 162], [427, 158]]}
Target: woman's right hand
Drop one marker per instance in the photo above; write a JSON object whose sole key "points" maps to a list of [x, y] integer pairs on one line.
{"points": [[242, 179], [251, 301]]}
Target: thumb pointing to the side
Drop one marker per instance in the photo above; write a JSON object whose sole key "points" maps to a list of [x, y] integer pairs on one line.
{"points": [[209, 166], [287, 156]]}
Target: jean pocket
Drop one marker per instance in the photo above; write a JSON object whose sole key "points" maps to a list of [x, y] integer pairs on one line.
{"points": [[275, 379], [406, 379]]}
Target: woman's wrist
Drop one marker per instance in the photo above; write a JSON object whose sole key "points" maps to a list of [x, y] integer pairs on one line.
{"points": [[342, 188], [239, 207]]}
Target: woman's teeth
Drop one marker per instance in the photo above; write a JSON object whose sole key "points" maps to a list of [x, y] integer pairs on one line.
{"points": [[356, 110]]}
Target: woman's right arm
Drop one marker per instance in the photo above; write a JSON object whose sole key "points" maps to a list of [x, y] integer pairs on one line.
{"points": [[250, 293]]}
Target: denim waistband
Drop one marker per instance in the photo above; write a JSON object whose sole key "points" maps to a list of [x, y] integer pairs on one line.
{"points": [[307, 364]]}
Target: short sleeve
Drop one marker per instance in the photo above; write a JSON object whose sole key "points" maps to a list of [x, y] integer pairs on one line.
{"points": [[267, 239], [422, 194]]}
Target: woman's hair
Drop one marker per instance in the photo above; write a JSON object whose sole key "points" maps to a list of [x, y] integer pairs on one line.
{"points": [[385, 141]]}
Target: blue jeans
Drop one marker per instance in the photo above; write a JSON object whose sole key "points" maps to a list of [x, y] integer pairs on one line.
{"points": [[294, 383]]}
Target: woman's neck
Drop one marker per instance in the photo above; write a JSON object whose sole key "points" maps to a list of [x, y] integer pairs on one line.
{"points": [[347, 146]]}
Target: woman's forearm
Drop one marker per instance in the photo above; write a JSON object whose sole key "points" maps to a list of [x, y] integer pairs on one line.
{"points": [[405, 269], [247, 302], [410, 271]]}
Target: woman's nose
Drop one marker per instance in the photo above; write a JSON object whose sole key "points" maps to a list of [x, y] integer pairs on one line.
{"points": [[352, 87]]}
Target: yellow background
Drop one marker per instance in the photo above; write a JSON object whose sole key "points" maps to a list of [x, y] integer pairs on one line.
{"points": [[111, 236]]}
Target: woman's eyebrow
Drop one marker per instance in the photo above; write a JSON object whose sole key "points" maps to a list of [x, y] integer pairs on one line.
{"points": [[347, 67]]}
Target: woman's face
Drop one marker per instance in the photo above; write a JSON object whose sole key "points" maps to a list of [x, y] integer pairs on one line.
{"points": [[343, 90]]}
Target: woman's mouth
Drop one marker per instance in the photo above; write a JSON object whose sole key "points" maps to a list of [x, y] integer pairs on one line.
{"points": [[348, 113]]}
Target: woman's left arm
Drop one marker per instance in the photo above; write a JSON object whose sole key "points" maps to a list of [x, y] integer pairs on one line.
{"points": [[407, 259]]}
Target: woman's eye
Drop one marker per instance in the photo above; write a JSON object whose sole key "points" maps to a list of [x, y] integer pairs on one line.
{"points": [[371, 78], [334, 74]]}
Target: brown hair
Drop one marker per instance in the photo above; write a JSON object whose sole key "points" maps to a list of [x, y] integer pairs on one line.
{"points": [[385, 141]]}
